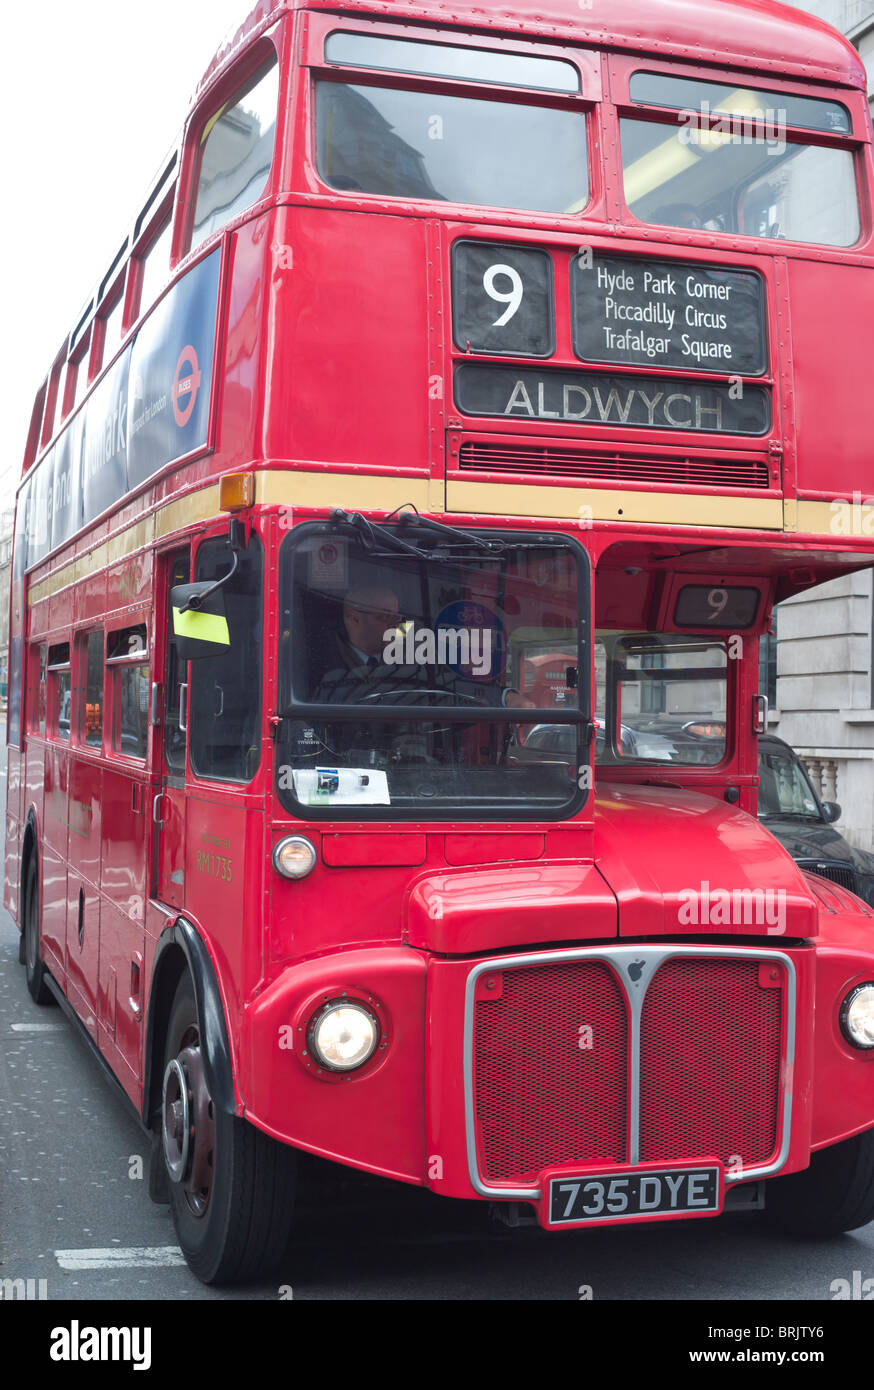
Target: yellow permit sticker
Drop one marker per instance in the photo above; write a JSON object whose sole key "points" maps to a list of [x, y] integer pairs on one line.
{"points": [[201, 627]]}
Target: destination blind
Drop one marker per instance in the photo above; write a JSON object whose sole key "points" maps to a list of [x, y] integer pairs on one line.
{"points": [[606, 398], [649, 313]]}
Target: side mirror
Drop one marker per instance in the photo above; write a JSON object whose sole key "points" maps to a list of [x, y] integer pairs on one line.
{"points": [[199, 623], [831, 812]]}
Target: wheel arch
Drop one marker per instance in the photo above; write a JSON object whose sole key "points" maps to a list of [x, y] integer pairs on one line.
{"points": [[181, 949]]}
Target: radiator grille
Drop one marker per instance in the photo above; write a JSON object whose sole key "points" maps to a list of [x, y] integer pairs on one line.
{"points": [[673, 470], [842, 874], [710, 1066], [710, 1061], [540, 1098]]}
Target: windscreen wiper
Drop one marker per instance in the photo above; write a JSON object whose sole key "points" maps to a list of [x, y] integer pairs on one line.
{"points": [[414, 518], [408, 520], [365, 529]]}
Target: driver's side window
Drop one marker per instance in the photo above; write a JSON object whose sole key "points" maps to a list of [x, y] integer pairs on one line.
{"points": [[174, 729], [225, 697]]}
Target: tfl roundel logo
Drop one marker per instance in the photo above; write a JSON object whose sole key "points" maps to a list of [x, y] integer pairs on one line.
{"points": [[186, 384]]}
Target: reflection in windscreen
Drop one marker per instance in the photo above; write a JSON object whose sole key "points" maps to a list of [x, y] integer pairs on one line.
{"points": [[689, 177], [420, 659], [659, 698], [458, 149]]}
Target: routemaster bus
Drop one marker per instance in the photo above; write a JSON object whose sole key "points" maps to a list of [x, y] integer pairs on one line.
{"points": [[397, 528]]}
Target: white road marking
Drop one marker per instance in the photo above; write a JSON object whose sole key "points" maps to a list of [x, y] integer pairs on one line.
{"points": [[121, 1257], [37, 1027]]}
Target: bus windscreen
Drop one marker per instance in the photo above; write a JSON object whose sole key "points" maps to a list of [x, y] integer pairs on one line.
{"points": [[401, 673]]}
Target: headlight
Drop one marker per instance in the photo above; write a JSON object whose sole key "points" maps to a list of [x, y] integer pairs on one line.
{"points": [[294, 857], [343, 1036], [857, 1016]]}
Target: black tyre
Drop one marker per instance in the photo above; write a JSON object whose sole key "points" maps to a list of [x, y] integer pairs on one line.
{"points": [[35, 971], [231, 1186], [835, 1194]]}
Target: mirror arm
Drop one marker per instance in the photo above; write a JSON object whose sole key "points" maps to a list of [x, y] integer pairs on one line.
{"points": [[196, 601]]}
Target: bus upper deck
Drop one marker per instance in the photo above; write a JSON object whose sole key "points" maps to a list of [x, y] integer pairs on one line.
{"points": [[569, 278]]}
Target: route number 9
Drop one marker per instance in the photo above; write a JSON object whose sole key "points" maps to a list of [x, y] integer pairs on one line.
{"points": [[716, 599], [512, 300]]}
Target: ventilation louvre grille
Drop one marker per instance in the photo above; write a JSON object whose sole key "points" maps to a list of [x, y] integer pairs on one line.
{"points": [[559, 461]]}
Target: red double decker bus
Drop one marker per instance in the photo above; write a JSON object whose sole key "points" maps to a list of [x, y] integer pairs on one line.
{"points": [[396, 532]]}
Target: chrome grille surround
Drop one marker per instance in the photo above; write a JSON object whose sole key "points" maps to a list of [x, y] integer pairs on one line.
{"points": [[619, 958]]}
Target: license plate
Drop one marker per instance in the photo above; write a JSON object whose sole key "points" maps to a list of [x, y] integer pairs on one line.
{"points": [[634, 1195]]}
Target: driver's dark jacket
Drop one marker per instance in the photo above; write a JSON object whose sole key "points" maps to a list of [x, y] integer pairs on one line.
{"points": [[353, 682]]}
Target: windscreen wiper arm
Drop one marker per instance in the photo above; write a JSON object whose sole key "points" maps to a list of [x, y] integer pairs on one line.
{"points": [[365, 529], [413, 518]]}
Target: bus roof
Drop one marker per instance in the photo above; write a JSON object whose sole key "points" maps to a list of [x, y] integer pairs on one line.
{"points": [[762, 34]]}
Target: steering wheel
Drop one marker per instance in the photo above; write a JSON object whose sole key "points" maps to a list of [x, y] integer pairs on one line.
{"points": [[500, 753], [503, 749], [424, 690]]}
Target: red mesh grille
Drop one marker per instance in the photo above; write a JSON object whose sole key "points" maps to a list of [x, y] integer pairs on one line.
{"points": [[674, 470], [710, 1061], [540, 1098]]}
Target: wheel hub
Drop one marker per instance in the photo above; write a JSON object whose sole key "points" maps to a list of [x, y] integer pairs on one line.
{"points": [[176, 1126], [188, 1124], [198, 1182]]}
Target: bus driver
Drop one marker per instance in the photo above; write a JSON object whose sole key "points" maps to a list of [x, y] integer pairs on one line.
{"points": [[365, 672]]}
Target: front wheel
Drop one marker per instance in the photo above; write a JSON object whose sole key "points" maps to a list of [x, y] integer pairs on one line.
{"points": [[835, 1194], [231, 1187]]}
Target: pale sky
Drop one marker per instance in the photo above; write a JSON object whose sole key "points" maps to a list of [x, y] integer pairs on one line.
{"points": [[96, 92]]}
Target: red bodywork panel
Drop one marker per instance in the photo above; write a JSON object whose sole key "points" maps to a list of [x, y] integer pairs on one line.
{"points": [[834, 462], [649, 844], [492, 909]]}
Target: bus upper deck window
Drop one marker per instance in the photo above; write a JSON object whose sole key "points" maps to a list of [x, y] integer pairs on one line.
{"points": [[731, 165], [417, 144], [449, 60], [155, 266], [112, 330], [236, 152], [80, 385], [689, 94]]}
